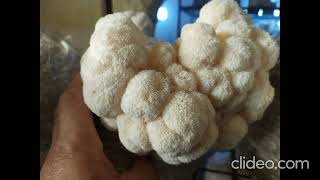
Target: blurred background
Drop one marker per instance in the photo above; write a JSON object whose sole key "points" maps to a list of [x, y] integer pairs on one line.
{"points": [[75, 19], [65, 30], [172, 15]]}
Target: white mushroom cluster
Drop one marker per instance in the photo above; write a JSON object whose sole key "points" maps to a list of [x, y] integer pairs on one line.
{"points": [[180, 100]]}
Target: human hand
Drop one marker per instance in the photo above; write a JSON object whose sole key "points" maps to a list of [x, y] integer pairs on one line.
{"points": [[76, 151]]}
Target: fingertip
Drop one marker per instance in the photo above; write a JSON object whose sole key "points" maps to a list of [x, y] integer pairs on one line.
{"points": [[71, 101], [76, 81], [73, 93]]}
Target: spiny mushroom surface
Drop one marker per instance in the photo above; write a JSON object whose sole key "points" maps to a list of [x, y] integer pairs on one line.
{"points": [[180, 100]]}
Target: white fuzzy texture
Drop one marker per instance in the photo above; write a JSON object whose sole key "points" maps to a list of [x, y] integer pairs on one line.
{"points": [[241, 54], [259, 98], [161, 56], [232, 129], [242, 81], [198, 46], [145, 95], [183, 79], [180, 100], [269, 48], [216, 83], [216, 12], [133, 135], [109, 123], [186, 130]]}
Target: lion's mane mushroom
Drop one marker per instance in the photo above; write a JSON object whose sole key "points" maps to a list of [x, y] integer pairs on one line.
{"points": [[182, 100]]}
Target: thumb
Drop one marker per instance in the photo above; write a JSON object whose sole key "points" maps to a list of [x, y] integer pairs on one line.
{"points": [[74, 125]]}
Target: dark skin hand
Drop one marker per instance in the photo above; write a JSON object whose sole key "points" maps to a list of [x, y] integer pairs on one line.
{"points": [[76, 152]]}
